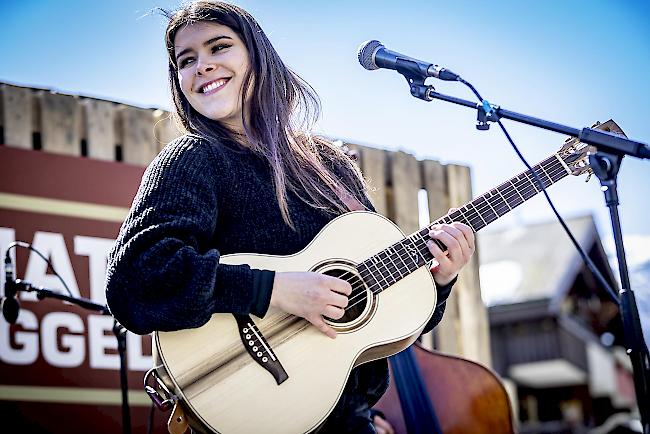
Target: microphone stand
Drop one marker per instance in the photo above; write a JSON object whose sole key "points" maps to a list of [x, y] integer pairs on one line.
{"points": [[118, 330], [605, 163]]}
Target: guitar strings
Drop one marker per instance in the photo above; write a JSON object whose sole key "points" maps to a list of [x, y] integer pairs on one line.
{"points": [[484, 208], [555, 168], [373, 287]]}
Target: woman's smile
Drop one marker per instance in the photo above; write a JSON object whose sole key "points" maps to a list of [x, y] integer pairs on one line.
{"points": [[212, 64]]}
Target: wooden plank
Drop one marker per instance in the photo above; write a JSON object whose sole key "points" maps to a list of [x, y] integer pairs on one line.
{"points": [[60, 124], [449, 331], [165, 128], [373, 166], [100, 130], [471, 323], [405, 170], [459, 185], [434, 179], [139, 145], [17, 116]]}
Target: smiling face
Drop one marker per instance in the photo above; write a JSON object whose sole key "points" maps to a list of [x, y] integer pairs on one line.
{"points": [[212, 63]]}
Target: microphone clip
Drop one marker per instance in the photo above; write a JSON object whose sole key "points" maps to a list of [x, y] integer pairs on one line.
{"points": [[485, 113], [415, 78]]}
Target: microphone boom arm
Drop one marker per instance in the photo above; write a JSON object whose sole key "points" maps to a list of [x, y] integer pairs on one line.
{"points": [[602, 140], [42, 293]]}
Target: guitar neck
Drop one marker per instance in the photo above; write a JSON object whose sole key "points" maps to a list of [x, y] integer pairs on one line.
{"points": [[402, 258]]}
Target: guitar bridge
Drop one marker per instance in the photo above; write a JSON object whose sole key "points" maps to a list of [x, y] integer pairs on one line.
{"points": [[259, 349]]}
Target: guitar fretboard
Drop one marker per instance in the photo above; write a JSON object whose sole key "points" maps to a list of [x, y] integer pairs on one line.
{"points": [[404, 257]]}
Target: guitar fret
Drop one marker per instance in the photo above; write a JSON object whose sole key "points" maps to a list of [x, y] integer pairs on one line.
{"points": [[506, 191], [425, 253], [398, 271], [390, 277], [548, 180], [561, 172], [500, 206], [373, 261], [405, 267], [517, 190], [469, 213], [366, 275], [464, 217], [489, 212], [479, 215], [498, 190], [524, 192], [531, 178], [410, 251]]}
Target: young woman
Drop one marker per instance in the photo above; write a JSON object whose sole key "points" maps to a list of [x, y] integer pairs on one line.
{"points": [[247, 177]]}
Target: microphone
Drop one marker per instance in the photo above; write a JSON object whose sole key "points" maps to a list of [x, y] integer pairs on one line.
{"points": [[373, 55], [10, 304]]}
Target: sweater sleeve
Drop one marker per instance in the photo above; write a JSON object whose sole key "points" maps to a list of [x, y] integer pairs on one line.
{"points": [[162, 272], [441, 303]]}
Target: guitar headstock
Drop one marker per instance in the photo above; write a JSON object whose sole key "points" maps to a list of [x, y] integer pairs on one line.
{"points": [[576, 154]]}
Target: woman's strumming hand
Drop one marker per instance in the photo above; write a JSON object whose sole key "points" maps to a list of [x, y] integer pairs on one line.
{"points": [[311, 296]]}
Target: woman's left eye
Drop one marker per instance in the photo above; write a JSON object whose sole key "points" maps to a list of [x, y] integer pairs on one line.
{"points": [[219, 47]]}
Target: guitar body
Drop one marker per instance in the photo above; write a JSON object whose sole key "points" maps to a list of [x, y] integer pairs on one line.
{"points": [[224, 389]]}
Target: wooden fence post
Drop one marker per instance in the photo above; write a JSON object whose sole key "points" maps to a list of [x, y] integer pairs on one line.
{"points": [[100, 129], [374, 169], [468, 312], [434, 179], [60, 124], [139, 146], [17, 116], [405, 171]]}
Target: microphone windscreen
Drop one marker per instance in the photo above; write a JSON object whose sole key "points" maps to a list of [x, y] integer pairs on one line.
{"points": [[10, 309], [366, 54]]}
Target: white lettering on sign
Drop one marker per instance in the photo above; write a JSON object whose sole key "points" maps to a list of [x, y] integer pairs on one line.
{"points": [[61, 336], [26, 340], [97, 251], [73, 347], [52, 246], [101, 338]]}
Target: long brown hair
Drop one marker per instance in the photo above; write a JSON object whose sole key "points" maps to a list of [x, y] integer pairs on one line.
{"points": [[283, 109]]}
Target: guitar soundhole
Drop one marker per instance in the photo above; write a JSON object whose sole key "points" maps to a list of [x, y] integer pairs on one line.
{"points": [[358, 299]]}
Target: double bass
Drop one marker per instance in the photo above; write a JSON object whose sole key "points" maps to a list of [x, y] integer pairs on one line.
{"points": [[435, 393]]}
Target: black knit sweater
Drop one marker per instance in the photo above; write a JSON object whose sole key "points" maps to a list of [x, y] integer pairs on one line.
{"points": [[199, 200]]}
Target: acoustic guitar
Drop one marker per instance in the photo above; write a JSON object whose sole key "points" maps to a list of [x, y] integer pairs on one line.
{"points": [[279, 374]]}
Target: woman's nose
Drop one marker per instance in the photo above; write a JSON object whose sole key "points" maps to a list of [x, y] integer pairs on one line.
{"points": [[205, 67]]}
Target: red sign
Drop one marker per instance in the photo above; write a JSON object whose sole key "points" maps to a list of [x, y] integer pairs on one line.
{"points": [[59, 366]]}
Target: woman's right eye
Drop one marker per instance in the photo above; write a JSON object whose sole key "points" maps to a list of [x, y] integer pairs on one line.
{"points": [[185, 61]]}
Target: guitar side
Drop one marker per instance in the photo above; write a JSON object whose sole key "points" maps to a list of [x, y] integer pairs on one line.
{"points": [[226, 390]]}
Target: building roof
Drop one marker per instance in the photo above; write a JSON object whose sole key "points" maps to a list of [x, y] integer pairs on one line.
{"points": [[533, 262]]}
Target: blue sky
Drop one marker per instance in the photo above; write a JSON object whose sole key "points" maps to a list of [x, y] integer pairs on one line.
{"points": [[572, 62]]}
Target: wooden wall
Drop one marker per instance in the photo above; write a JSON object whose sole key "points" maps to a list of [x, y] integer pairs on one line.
{"points": [[93, 128]]}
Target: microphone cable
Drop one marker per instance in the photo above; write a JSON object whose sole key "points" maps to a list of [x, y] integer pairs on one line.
{"points": [[29, 246]]}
